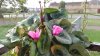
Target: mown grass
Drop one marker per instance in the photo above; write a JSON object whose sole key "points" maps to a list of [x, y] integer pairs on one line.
{"points": [[11, 19], [94, 35], [4, 29], [95, 22], [94, 53]]}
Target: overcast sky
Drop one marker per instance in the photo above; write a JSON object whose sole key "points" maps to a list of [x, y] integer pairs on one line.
{"points": [[35, 4]]}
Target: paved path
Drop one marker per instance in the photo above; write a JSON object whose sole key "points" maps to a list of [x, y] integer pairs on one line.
{"points": [[2, 22], [69, 15], [93, 27]]}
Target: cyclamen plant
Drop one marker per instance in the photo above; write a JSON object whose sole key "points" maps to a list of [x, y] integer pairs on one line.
{"points": [[50, 37], [56, 30], [35, 34]]}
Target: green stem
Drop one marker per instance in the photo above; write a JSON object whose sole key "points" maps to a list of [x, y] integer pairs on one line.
{"points": [[41, 14]]}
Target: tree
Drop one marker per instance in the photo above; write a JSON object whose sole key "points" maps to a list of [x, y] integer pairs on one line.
{"points": [[14, 3], [1, 1], [62, 4], [62, 7]]}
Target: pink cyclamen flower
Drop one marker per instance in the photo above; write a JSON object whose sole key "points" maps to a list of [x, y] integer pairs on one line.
{"points": [[57, 30], [35, 34]]}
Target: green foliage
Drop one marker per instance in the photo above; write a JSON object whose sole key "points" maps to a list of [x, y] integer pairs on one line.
{"points": [[59, 50], [32, 49], [43, 44], [48, 44], [46, 1], [66, 25], [93, 35], [80, 35], [21, 5], [94, 22], [78, 50], [62, 4], [50, 10], [64, 38], [21, 1], [4, 30], [63, 9]]}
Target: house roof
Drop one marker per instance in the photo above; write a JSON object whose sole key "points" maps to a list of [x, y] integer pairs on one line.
{"points": [[94, 2], [69, 3]]}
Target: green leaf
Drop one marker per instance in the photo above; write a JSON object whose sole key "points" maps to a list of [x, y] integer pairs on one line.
{"points": [[75, 39], [32, 49], [10, 44], [48, 30], [78, 49], [65, 24], [21, 1], [59, 50], [24, 51], [56, 15], [50, 10], [11, 39], [81, 36], [43, 44], [21, 31], [64, 38], [40, 45], [29, 21]]}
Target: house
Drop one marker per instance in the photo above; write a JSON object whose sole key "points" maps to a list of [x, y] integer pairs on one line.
{"points": [[92, 6]]}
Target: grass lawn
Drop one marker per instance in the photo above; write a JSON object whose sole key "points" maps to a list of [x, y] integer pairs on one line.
{"points": [[95, 22], [4, 29], [12, 19], [94, 35]]}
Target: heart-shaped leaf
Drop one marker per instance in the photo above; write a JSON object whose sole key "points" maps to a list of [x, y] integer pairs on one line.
{"points": [[64, 38], [78, 49], [43, 44], [33, 49], [59, 50]]}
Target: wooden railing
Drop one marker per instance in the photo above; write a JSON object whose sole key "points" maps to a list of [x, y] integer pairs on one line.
{"points": [[94, 47], [3, 50]]}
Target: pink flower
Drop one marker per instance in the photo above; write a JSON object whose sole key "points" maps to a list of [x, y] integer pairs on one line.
{"points": [[57, 30], [35, 34]]}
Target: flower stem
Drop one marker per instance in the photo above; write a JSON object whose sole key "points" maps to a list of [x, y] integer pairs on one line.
{"points": [[41, 14]]}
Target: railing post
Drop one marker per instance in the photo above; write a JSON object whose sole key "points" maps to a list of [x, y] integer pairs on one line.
{"points": [[3, 50]]}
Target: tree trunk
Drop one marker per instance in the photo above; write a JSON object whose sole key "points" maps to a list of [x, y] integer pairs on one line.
{"points": [[1, 16], [1, 1]]}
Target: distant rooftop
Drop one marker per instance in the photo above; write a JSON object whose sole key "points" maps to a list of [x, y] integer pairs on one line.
{"points": [[94, 2]]}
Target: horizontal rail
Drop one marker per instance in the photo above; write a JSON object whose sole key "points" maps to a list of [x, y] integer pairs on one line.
{"points": [[94, 47], [3, 50]]}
